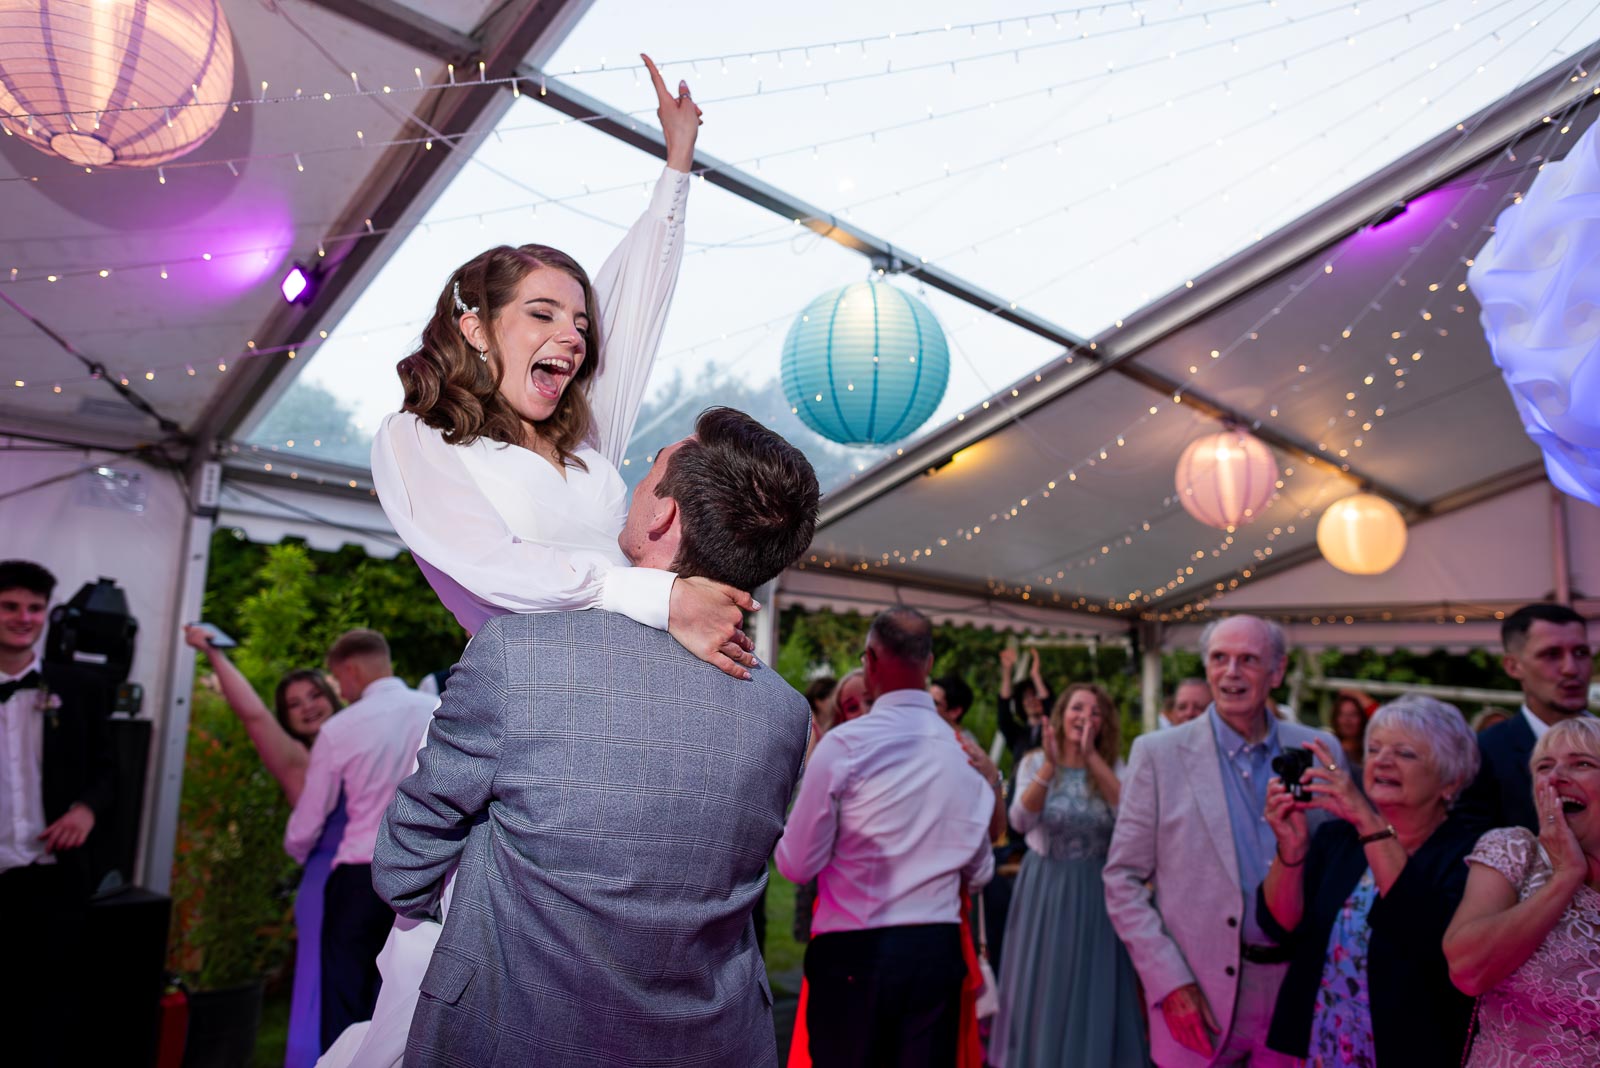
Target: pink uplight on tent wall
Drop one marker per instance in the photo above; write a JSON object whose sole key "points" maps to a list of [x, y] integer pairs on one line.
{"points": [[114, 83]]}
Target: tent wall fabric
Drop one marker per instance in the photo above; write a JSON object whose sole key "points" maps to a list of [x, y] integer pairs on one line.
{"points": [[86, 514], [826, 590], [325, 521], [1501, 552]]}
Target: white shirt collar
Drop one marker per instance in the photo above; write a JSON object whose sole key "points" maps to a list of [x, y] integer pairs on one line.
{"points": [[33, 665], [377, 686], [1539, 726], [904, 700]]}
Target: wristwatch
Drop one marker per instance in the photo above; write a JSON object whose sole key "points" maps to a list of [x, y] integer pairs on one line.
{"points": [[1377, 836]]}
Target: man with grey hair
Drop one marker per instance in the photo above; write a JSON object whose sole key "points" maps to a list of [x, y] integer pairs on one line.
{"points": [[1190, 699], [1191, 847], [893, 823]]}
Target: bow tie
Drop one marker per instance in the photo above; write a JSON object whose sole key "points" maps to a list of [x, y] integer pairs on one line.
{"points": [[30, 681]]}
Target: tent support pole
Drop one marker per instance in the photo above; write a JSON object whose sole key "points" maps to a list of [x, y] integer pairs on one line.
{"points": [[766, 624], [172, 739], [1150, 672], [1559, 561]]}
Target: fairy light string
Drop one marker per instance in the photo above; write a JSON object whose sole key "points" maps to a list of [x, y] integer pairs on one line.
{"points": [[1126, 534]]}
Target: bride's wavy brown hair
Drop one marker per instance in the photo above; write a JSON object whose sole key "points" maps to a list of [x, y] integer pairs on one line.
{"points": [[451, 389]]}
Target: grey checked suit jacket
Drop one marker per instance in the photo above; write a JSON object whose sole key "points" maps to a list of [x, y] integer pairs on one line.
{"points": [[612, 803]]}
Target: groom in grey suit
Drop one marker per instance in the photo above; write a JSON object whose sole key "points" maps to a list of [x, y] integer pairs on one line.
{"points": [[1191, 847], [612, 801]]}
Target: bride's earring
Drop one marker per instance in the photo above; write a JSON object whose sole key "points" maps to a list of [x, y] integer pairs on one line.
{"points": [[483, 354]]}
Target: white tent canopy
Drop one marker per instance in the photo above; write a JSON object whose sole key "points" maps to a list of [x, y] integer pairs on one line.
{"points": [[147, 337]]}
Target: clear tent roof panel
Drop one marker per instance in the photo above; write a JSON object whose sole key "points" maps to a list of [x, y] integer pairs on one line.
{"points": [[1080, 163], [735, 300]]}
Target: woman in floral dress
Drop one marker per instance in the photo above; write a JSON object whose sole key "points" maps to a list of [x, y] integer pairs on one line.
{"points": [[1527, 935]]}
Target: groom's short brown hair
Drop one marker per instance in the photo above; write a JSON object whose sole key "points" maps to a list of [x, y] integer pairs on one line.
{"points": [[747, 500]]}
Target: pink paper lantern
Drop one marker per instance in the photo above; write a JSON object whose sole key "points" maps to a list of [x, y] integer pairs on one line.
{"points": [[114, 83], [1226, 479]]}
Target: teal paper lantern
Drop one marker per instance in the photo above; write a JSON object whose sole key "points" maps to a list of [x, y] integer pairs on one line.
{"points": [[865, 364]]}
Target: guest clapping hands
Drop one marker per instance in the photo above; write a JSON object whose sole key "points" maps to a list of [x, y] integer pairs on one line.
{"points": [[1069, 995], [1362, 903], [1524, 936]]}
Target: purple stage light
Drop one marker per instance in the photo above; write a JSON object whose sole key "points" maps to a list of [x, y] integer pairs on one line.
{"points": [[297, 285], [1395, 211]]}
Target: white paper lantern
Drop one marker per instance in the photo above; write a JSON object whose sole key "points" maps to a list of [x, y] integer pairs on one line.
{"points": [[114, 83], [1362, 535], [1538, 281], [1225, 479]]}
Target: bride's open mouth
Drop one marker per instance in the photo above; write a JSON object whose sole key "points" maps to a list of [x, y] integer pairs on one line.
{"points": [[1570, 804], [549, 375]]}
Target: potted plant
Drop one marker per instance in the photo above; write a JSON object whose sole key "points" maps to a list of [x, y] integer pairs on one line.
{"points": [[233, 887]]}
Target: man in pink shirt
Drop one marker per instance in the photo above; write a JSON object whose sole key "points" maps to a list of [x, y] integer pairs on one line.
{"points": [[893, 823]]}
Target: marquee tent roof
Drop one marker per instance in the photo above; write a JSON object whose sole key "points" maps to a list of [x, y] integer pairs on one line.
{"points": [[147, 317]]}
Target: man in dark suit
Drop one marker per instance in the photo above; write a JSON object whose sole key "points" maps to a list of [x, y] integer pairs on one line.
{"points": [[1547, 650], [57, 774]]}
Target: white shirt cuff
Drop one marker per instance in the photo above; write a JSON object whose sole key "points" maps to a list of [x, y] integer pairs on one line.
{"points": [[670, 196], [643, 594]]}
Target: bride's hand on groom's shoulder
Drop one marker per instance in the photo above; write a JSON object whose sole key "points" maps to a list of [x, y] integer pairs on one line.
{"points": [[707, 618]]}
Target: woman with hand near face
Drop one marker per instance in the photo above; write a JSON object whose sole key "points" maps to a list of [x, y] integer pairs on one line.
{"points": [[302, 703], [1068, 993], [1363, 904], [1526, 938]]}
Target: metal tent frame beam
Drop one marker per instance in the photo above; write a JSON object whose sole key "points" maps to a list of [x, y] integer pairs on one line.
{"points": [[462, 117]]}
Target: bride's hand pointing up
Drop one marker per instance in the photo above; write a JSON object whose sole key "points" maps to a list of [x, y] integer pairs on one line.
{"points": [[679, 117]]}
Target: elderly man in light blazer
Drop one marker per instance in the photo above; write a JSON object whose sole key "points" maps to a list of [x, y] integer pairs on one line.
{"points": [[612, 802], [1190, 848]]}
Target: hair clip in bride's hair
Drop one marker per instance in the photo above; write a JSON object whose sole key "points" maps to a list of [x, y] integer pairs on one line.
{"points": [[461, 305]]}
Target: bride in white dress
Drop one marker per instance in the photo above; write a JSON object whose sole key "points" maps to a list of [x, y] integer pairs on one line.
{"points": [[500, 474]]}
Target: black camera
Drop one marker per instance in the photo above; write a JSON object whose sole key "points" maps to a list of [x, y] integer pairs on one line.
{"points": [[1291, 765]]}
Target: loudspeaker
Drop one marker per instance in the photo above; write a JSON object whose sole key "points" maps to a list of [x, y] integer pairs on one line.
{"points": [[125, 938], [114, 846], [93, 632]]}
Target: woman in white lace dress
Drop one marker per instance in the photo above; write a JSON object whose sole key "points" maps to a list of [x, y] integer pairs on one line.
{"points": [[1526, 936]]}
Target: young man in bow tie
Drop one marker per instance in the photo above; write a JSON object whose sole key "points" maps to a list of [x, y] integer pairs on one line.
{"points": [[56, 781]]}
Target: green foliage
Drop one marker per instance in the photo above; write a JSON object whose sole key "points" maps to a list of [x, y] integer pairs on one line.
{"points": [[783, 954], [287, 603], [233, 886], [816, 642]]}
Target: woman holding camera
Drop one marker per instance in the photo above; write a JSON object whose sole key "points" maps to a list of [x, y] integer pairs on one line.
{"points": [[1364, 904]]}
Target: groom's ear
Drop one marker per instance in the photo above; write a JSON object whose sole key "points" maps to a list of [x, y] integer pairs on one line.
{"points": [[663, 517]]}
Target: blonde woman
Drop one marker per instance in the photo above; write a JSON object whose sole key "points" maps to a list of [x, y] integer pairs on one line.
{"points": [[1526, 937]]}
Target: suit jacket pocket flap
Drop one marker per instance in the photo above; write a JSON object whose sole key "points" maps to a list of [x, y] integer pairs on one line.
{"points": [[447, 977]]}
